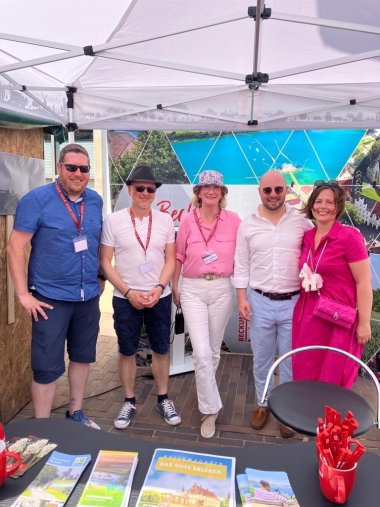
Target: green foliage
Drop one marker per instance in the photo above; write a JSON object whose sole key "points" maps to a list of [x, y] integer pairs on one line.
{"points": [[373, 155], [376, 301], [362, 149], [186, 135], [351, 211], [374, 344], [153, 149]]}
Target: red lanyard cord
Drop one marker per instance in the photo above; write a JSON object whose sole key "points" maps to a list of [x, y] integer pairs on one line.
{"points": [[212, 232], [144, 247], [77, 222]]}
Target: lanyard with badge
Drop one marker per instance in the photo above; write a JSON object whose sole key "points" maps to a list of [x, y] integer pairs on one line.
{"points": [[80, 243], [147, 265], [209, 255]]}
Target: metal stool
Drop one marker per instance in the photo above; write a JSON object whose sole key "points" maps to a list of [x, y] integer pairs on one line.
{"points": [[298, 404]]}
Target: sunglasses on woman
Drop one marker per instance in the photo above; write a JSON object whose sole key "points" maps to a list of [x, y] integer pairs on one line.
{"points": [[141, 188], [322, 183], [72, 168], [268, 190]]}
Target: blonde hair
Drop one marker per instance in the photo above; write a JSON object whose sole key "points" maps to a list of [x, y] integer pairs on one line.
{"points": [[197, 201]]}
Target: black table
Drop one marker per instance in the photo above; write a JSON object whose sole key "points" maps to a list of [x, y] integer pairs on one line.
{"points": [[297, 459]]}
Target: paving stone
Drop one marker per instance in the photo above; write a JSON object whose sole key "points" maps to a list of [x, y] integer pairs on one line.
{"points": [[104, 397]]}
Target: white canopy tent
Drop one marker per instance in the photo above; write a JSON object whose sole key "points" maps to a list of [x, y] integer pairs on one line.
{"points": [[199, 64]]}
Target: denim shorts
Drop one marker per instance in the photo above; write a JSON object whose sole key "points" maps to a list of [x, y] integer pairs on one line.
{"points": [[128, 322], [76, 323]]}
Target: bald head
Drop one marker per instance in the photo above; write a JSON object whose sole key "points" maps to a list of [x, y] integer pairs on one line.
{"points": [[272, 190], [272, 178]]}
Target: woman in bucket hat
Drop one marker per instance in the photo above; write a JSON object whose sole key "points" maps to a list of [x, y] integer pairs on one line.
{"points": [[205, 251]]}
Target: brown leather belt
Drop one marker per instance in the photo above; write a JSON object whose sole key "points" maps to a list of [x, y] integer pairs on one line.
{"points": [[276, 296], [210, 277]]}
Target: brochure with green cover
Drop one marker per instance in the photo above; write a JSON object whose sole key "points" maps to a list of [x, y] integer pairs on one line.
{"points": [[55, 482], [110, 481]]}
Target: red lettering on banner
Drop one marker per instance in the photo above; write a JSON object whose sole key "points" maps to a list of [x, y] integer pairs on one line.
{"points": [[243, 331], [165, 207]]}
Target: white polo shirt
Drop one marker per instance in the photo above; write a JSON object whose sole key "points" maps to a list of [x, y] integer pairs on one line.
{"points": [[266, 255], [118, 232]]}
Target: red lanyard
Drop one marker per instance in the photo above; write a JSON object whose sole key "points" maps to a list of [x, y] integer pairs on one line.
{"points": [[200, 228], [145, 248], [69, 209]]}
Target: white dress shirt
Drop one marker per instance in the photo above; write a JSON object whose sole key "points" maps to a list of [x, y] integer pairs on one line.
{"points": [[118, 232], [266, 255]]}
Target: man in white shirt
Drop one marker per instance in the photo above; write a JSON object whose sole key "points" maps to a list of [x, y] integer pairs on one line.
{"points": [[142, 243], [266, 263]]}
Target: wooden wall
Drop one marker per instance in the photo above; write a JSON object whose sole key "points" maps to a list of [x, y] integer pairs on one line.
{"points": [[15, 372]]}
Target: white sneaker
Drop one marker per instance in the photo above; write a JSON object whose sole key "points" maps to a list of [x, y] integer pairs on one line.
{"points": [[126, 413], [168, 412]]}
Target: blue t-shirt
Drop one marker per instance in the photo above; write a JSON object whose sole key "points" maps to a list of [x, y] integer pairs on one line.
{"points": [[55, 269]]}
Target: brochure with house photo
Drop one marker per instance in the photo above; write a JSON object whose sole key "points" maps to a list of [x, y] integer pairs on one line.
{"points": [[188, 478]]}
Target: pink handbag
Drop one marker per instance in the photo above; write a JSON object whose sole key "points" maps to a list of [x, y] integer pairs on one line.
{"points": [[334, 311]]}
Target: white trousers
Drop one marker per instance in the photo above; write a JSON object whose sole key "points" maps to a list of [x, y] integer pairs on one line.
{"points": [[207, 307]]}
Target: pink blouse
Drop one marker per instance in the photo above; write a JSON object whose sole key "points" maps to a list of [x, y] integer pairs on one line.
{"points": [[191, 245]]}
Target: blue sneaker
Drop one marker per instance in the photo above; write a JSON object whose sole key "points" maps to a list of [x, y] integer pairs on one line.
{"points": [[80, 417]]}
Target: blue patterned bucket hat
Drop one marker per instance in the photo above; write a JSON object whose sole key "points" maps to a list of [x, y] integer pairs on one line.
{"points": [[210, 177]]}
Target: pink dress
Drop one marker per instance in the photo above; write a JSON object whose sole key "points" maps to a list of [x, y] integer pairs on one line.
{"points": [[344, 245]]}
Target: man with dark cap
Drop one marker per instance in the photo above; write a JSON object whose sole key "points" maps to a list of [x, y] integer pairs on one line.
{"points": [[143, 244]]}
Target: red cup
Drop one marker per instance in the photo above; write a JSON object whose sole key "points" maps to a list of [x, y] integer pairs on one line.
{"points": [[8, 467], [336, 484]]}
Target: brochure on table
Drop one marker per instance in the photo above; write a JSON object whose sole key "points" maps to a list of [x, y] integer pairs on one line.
{"points": [[188, 478], [55, 482], [260, 488], [110, 481]]}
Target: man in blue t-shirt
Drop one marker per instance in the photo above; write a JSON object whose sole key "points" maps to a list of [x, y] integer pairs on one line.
{"points": [[62, 221]]}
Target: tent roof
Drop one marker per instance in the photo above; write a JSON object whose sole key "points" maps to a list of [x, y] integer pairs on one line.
{"points": [[175, 64]]}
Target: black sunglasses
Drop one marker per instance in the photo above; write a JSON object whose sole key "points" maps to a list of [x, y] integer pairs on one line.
{"points": [[322, 183], [141, 188], [72, 168], [268, 190]]}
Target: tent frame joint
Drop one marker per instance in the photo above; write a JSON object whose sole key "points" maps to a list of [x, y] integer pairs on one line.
{"points": [[72, 127], [88, 51], [265, 14], [254, 81]]}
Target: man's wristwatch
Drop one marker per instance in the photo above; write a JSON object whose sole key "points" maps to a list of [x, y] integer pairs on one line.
{"points": [[162, 286]]}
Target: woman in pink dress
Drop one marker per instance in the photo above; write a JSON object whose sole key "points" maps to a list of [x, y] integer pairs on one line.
{"points": [[338, 254]]}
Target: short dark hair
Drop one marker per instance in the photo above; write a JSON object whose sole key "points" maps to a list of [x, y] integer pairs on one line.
{"points": [[339, 197], [72, 148]]}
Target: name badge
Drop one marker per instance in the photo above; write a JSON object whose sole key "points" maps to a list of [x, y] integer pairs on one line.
{"points": [[146, 266], [80, 244], [209, 257]]}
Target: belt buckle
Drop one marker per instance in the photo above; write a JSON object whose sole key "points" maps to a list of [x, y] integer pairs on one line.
{"points": [[209, 277]]}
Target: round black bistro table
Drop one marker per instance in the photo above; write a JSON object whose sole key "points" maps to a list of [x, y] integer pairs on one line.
{"points": [[299, 404]]}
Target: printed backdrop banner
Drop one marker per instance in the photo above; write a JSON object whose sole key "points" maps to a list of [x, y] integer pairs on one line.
{"points": [[350, 156]]}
